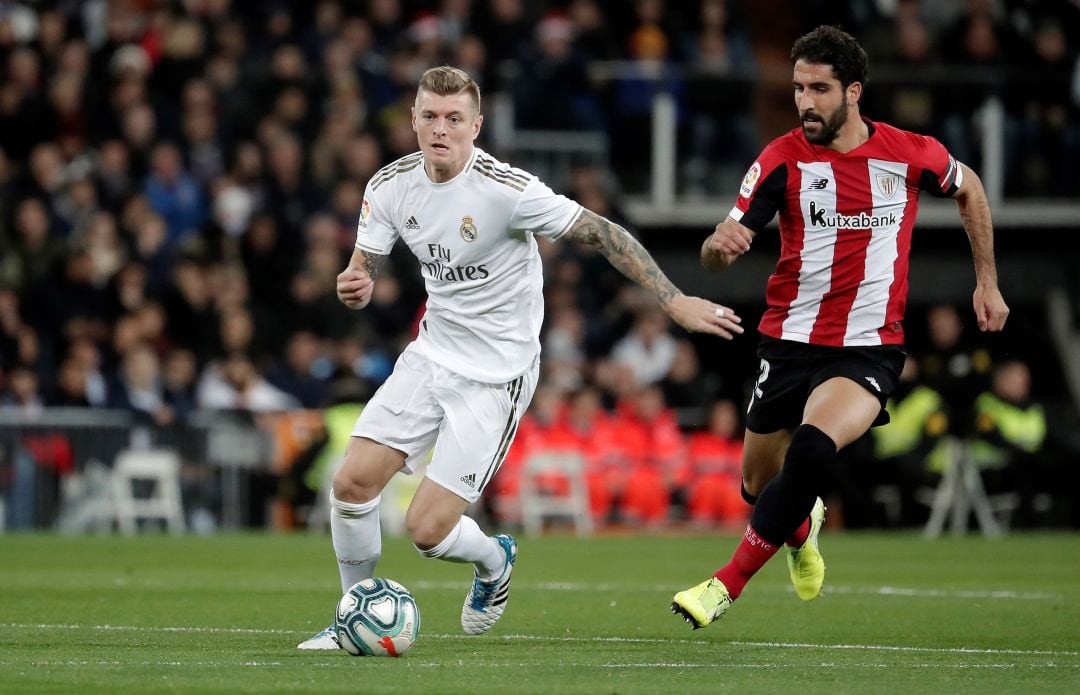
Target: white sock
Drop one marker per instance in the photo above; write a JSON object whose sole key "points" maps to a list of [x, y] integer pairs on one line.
{"points": [[467, 543], [357, 539]]}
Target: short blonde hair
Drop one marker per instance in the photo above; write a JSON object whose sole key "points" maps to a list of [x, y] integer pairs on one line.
{"points": [[446, 81]]}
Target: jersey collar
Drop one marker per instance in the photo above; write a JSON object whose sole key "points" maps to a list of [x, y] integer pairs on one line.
{"points": [[454, 182]]}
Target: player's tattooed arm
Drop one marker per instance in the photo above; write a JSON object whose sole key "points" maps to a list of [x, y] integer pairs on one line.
{"points": [[624, 252], [370, 262], [356, 282]]}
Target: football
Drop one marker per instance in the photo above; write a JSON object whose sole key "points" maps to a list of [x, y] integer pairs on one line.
{"points": [[377, 617]]}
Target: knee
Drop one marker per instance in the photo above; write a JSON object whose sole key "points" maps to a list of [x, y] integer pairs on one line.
{"points": [[810, 450], [425, 531], [349, 487], [753, 482]]}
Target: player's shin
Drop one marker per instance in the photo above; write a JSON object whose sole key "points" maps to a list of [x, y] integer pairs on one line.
{"points": [[357, 539], [782, 508]]}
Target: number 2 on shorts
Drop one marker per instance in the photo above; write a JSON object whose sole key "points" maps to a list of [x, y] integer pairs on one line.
{"points": [[763, 374]]}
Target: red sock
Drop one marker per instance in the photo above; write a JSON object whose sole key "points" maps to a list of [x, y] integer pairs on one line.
{"points": [[751, 555], [797, 539]]}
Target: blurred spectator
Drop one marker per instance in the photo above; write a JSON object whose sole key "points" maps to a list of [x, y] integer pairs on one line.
{"points": [[652, 452], [138, 388], [649, 47], [23, 395], [556, 76], [32, 255], [541, 429], [952, 368], [178, 381], [1049, 140], [235, 384], [304, 373], [187, 304], [977, 39], [715, 470], [685, 385], [721, 129], [174, 194], [649, 350], [905, 45], [918, 423], [1010, 430], [593, 38]]}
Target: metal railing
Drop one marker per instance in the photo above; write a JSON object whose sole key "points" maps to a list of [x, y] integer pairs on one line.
{"points": [[39, 451]]}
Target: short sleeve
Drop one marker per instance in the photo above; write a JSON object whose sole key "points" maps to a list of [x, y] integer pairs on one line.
{"points": [[374, 231], [761, 193], [544, 212], [941, 174]]}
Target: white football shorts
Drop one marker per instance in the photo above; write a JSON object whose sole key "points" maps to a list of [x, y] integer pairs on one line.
{"points": [[470, 423]]}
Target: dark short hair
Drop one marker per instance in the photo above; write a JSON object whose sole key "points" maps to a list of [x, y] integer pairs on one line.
{"points": [[829, 45]]}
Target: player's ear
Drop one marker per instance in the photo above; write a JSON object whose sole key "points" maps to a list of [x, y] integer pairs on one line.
{"points": [[412, 118], [479, 121], [854, 92]]}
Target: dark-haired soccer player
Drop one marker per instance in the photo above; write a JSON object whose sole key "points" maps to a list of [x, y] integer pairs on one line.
{"points": [[831, 350]]}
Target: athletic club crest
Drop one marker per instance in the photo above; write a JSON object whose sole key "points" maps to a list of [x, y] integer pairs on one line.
{"points": [[888, 184], [468, 229]]}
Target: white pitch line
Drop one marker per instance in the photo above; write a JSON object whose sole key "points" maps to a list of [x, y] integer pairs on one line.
{"points": [[409, 662], [907, 592], [552, 638], [901, 648], [906, 665]]}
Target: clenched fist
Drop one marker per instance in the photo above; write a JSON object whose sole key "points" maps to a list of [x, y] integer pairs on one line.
{"points": [[354, 287]]}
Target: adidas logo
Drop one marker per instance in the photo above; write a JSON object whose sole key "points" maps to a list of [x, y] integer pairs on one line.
{"points": [[873, 382], [412, 223], [469, 480]]}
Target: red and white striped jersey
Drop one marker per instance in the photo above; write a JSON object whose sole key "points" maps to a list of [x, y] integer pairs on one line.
{"points": [[845, 231]]}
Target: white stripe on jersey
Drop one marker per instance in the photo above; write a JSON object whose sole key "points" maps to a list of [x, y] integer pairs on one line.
{"points": [[815, 272], [872, 299]]}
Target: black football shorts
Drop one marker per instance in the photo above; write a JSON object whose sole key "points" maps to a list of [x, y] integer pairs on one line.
{"points": [[789, 371]]}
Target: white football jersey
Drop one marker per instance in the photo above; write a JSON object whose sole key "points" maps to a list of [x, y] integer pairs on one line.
{"points": [[473, 236]]}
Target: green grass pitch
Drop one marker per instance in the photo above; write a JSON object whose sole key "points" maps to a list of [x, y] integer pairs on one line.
{"points": [[223, 614]]}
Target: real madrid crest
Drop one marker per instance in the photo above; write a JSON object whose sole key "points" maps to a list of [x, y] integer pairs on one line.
{"points": [[468, 229]]}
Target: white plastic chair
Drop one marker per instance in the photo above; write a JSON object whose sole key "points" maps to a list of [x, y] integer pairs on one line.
{"points": [[160, 467], [537, 505]]}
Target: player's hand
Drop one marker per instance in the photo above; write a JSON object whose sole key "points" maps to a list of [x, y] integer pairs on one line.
{"points": [[731, 239], [702, 316], [354, 287], [990, 308]]}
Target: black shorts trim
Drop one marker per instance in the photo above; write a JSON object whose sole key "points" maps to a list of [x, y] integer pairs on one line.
{"points": [[795, 369]]}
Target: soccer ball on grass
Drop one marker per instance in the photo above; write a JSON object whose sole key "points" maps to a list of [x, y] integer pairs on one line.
{"points": [[377, 617]]}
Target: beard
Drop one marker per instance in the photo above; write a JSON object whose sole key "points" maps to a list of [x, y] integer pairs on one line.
{"points": [[830, 125]]}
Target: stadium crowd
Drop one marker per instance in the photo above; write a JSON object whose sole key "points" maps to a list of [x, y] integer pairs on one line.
{"points": [[180, 182]]}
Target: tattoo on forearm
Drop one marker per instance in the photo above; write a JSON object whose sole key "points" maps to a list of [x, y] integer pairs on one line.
{"points": [[371, 263], [624, 252]]}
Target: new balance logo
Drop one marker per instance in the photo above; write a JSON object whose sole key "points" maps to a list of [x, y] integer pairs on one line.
{"points": [[412, 223], [819, 184], [469, 480], [873, 382]]}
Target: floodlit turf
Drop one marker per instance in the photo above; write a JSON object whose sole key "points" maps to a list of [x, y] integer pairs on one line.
{"points": [[223, 614]]}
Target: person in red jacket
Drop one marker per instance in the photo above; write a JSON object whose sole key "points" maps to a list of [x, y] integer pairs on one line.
{"points": [[715, 462]]}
